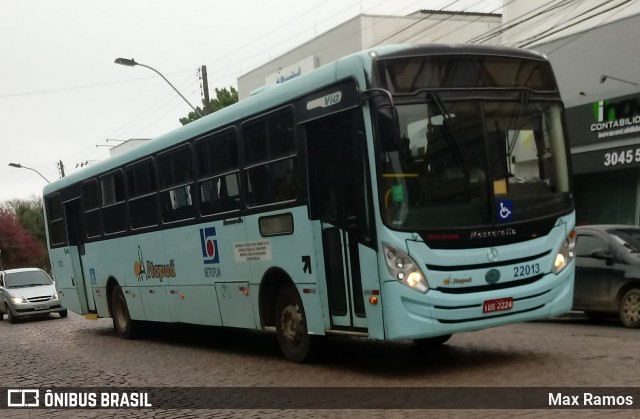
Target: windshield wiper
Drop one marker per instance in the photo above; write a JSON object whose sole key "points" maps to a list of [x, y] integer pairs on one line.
{"points": [[524, 101], [450, 133]]}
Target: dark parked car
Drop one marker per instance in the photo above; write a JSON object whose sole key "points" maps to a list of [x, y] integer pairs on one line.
{"points": [[28, 292], [608, 272]]}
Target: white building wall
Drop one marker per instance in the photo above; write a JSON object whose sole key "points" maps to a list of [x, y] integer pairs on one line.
{"points": [[366, 31]]}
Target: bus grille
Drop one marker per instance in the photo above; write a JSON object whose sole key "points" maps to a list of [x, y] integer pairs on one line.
{"points": [[491, 287], [510, 313]]}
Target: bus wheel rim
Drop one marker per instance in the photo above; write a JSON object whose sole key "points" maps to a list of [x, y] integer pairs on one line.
{"points": [[291, 323]]}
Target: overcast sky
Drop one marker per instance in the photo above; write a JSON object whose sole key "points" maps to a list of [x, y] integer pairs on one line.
{"points": [[62, 97]]}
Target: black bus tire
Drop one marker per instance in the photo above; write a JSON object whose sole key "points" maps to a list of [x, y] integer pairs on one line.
{"points": [[291, 325], [122, 323]]}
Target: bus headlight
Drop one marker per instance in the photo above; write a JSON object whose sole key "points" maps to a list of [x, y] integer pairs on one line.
{"points": [[566, 253], [404, 269]]}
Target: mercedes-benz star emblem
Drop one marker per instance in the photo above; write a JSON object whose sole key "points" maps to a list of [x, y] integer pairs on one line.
{"points": [[492, 254]]}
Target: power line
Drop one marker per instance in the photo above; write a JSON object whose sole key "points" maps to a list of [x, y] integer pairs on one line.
{"points": [[501, 29], [555, 30]]}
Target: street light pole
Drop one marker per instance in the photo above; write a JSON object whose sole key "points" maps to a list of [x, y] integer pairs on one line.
{"points": [[19, 166], [133, 63]]}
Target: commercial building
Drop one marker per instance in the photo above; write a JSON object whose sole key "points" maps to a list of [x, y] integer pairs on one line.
{"points": [[366, 31], [597, 70]]}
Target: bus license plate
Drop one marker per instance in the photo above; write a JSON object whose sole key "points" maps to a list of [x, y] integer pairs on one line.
{"points": [[499, 304]]}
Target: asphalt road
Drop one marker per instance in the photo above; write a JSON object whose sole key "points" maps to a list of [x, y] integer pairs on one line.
{"points": [[187, 360]]}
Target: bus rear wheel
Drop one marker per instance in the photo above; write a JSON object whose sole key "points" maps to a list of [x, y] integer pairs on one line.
{"points": [[122, 323], [291, 325]]}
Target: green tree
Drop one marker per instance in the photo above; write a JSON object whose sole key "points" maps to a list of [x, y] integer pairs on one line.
{"points": [[223, 99]]}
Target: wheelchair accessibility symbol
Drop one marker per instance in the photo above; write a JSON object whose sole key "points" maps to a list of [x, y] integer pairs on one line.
{"points": [[505, 211]]}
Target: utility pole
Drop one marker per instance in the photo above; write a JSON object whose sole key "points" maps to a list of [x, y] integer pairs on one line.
{"points": [[205, 89], [61, 168]]}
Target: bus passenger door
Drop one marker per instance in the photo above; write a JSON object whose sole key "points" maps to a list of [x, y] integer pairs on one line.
{"points": [[74, 293], [336, 199]]}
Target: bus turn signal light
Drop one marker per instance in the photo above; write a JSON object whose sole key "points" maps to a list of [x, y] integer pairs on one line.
{"points": [[373, 300]]}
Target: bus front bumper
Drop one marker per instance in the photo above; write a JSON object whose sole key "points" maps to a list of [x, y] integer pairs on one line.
{"points": [[412, 315]]}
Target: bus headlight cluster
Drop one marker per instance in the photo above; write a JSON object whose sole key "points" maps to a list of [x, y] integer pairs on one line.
{"points": [[566, 253], [404, 269]]}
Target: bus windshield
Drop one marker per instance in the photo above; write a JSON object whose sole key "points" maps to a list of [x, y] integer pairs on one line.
{"points": [[463, 164]]}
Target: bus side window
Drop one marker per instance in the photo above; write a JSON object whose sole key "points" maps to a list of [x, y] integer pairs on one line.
{"points": [[57, 225], [270, 153], [174, 172], [218, 183], [91, 203], [142, 194], [114, 216]]}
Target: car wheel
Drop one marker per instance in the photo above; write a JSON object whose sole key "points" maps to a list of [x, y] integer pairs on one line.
{"points": [[291, 325], [432, 342], [63, 313], [630, 308], [10, 316], [122, 323]]}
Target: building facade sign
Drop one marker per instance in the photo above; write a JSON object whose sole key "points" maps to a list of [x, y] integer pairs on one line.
{"points": [[291, 71], [604, 120], [615, 158]]}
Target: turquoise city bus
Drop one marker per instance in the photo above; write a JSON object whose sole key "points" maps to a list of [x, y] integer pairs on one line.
{"points": [[400, 193]]}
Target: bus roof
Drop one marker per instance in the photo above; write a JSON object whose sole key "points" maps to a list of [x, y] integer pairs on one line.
{"points": [[276, 96]]}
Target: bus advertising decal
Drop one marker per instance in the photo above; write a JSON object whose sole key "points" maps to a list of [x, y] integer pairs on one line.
{"points": [[209, 245], [152, 271]]}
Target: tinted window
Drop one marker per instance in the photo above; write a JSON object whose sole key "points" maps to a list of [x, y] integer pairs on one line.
{"points": [[270, 151], [91, 202], [271, 182], [217, 153], [586, 244], [218, 183], [629, 239], [57, 226], [408, 75], [269, 138], [114, 217], [142, 194], [174, 172]]}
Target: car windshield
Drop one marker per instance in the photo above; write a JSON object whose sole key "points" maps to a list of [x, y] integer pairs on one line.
{"points": [[627, 238], [26, 279], [475, 163]]}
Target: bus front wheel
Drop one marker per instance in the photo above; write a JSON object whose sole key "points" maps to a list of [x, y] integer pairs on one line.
{"points": [[122, 322], [291, 325]]}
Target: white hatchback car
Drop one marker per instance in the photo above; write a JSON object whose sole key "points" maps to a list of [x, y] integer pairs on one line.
{"points": [[28, 292]]}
